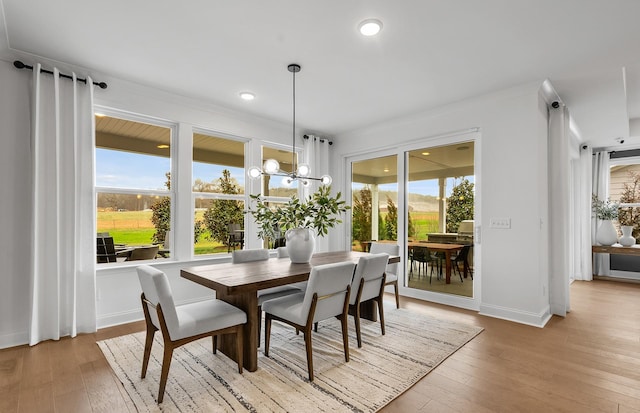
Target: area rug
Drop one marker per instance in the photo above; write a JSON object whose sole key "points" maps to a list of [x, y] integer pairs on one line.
{"points": [[381, 370]]}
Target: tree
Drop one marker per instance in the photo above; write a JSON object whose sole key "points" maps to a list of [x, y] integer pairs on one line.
{"points": [[631, 194], [223, 212], [361, 227], [161, 217], [391, 221], [459, 205]]}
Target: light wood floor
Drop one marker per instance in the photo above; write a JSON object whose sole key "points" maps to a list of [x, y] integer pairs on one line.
{"points": [[586, 362]]}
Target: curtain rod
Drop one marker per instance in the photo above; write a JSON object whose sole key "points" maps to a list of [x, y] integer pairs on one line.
{"points": [[18, 64]]}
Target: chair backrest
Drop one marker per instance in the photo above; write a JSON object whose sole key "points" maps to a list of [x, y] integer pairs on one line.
{"points": [[144, 253], [391, 249], [235, 232], [282, 252], [105, 249], [464, 252], [421, 254], [157, 290], [259, 254], [326, 280], [370, 268]]}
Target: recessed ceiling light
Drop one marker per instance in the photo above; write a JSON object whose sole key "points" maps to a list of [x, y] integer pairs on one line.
{"points": [[426, 153], [247, 95], [386, 169], [370, 27], [162, 146]]}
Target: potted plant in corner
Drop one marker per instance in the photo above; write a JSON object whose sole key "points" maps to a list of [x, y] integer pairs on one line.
{"points": [[301, 221], [606, 212]]}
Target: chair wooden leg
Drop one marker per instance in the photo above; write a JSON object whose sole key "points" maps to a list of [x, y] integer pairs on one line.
{"points": [[307, 344], [267, 333], [381, 314], [356, 319], [239, 347], [259, 323], [315, 326], [166, 363], [214, 341], [345, 336], [395, 286], [147, 351]]}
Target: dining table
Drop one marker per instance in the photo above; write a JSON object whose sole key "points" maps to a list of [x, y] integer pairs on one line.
{"points": [[238, 284], [447, 249]]}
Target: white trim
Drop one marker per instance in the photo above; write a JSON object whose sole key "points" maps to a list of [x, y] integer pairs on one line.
{"points": [[130, 316], [14, 339], [518, 316]]}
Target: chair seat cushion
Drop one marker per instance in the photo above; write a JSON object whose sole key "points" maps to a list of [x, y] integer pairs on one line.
{"points": [[391, 278], [288, 307], [205, 316]]}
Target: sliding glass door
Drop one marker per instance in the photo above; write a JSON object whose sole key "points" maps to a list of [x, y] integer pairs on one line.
{"points": [[422, 197]]}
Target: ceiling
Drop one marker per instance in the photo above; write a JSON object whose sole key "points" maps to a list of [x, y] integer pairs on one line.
{"points": [[429, 53]]}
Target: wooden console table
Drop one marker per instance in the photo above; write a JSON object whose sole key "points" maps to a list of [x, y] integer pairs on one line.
{"points": [[617, 250]]}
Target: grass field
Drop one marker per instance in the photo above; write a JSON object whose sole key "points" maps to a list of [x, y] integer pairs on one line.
{"points": [[135, 228]]}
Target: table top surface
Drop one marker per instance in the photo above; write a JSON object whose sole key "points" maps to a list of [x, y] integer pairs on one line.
{"points": [[616, 249], [436, 246], [252, 276]]}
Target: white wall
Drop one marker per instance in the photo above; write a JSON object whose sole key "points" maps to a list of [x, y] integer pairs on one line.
{"points": [[15, 198], [513, 153]]}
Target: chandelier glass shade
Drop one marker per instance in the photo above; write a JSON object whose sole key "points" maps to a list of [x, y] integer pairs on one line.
{"points": [[271, 167]]}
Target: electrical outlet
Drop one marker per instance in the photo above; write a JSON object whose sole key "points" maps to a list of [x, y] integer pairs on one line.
{"points": [[500, 223]]}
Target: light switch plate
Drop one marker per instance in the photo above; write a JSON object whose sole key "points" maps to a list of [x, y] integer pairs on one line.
{"points": [[500, 223]]}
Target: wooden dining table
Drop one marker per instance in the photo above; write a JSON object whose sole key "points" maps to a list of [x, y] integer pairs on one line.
{"points": [[447, 249], [238, 284]]}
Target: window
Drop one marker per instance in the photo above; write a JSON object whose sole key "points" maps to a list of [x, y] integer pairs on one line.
{"points": [[218, 188], [134, 198]]}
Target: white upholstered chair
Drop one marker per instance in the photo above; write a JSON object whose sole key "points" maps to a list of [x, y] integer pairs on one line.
{"points": [[185, 323], [392, 269], [368, 284], [262, 254], [327, 296]]}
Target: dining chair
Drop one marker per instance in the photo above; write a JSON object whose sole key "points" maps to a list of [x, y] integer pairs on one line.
{"points": [[236, 237], [327, 296], [143, 253], [262, 254], [462, 257], [368, 284], [392, 269], [182, 324]]}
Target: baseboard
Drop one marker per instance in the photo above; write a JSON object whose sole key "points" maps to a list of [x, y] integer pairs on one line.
{"points": [[518, 316], [14, 339]]}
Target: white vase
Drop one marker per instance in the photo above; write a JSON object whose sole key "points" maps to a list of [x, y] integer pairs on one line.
{"points": [[627, 239], [300, 244], [607, 234]]}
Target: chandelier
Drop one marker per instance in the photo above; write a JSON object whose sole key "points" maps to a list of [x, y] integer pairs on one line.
{"points": [[271, 167]]}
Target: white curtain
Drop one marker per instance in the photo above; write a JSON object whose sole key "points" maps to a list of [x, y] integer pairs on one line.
{"points": [[585, 272], [63, 231], [600, 187], [316, 154]]}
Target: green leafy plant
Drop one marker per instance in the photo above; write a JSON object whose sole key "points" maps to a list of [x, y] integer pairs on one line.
{"points": [[319, 212], [460, 204], [605, 210]]}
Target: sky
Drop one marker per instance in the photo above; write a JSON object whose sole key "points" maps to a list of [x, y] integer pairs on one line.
{"points": [[138, 171]]}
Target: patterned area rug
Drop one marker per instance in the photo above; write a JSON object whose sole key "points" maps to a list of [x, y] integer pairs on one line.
{"points": [[381, 370]]}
